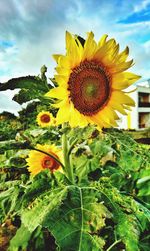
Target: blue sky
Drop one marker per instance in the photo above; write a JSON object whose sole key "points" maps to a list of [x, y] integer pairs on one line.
{"points": [[32, 30]]}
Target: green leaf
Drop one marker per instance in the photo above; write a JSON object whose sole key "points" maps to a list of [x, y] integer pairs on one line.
{"points": [[128, 231], [12, 144], [73, 215], [100, 147], [123, 209], [28, 82], [129, 160], [20, 240], [144, 210], [43, 206], [17, 162], [31, 88], [144, 242], [10, 200], [76, 224], [40, 184], [25, 95]]}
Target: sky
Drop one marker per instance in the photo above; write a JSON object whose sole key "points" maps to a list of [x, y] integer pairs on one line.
{"points": [[32, 30]]}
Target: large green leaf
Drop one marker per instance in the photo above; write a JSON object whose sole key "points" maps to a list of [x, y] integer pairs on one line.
{"points": [[20, 240], [25, 95], [75, 226], [10, 200], [40, 184], [128, 231], [72, 214], [43, 206], [28, 82], [31, 88], [124, 209]]}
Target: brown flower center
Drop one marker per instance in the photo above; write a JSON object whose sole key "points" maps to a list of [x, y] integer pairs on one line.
{"points": [[45, 118], [90, 87], [50, 163]]}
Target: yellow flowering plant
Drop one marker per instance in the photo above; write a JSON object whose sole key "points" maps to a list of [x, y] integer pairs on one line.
{"points": [[91, 81], [44, 157], [82, 189], [45, 119]]}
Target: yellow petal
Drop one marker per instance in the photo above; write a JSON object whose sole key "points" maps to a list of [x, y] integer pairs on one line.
{"points": [[123, 80], [118, 108], [101, 116], [111, 43], [123, 98], [109, 58], [116, 68], [83, 120], [56, 57], [104, 51], [73, 51], [58, 92], [112, 112], [123, 55], [119, 98], [64, 62], [102, 41], [75, 116], [131, 77], [62, 115], [111, 115], [68, 40], [99, 121], [127, 107], [62, 80], [63, 71], [114, 53], [60, 103], [90, 47]]}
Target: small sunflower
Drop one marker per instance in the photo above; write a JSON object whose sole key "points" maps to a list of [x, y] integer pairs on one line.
{"points": [[91, 79], [45, 119], [38, 161]]}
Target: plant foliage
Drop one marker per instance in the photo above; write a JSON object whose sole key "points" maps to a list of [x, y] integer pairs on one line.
{"points": [[106, 207]]}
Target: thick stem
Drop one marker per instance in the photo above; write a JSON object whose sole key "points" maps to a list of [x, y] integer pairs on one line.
{"points": [[68, 167], [72, 146]]}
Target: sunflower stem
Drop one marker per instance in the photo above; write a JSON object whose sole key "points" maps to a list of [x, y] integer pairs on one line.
{"points": [[115, 243], [72, 146], [68, 167]]}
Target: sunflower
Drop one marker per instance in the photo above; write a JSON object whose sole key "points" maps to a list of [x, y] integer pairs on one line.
{"points": [[38, 161], [45, 119], [91, 80]]}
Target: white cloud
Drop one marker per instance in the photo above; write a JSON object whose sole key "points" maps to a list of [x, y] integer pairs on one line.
{"points": [[147, 47], [38, 31], [142, 5], [6, 103]]}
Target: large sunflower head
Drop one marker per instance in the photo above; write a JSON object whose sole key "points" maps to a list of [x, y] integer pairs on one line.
{"points": [[91, 81], [38, 161], [45, 119]]}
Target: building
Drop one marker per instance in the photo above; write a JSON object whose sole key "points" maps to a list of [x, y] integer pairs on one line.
{"points": [[139, 117]]}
